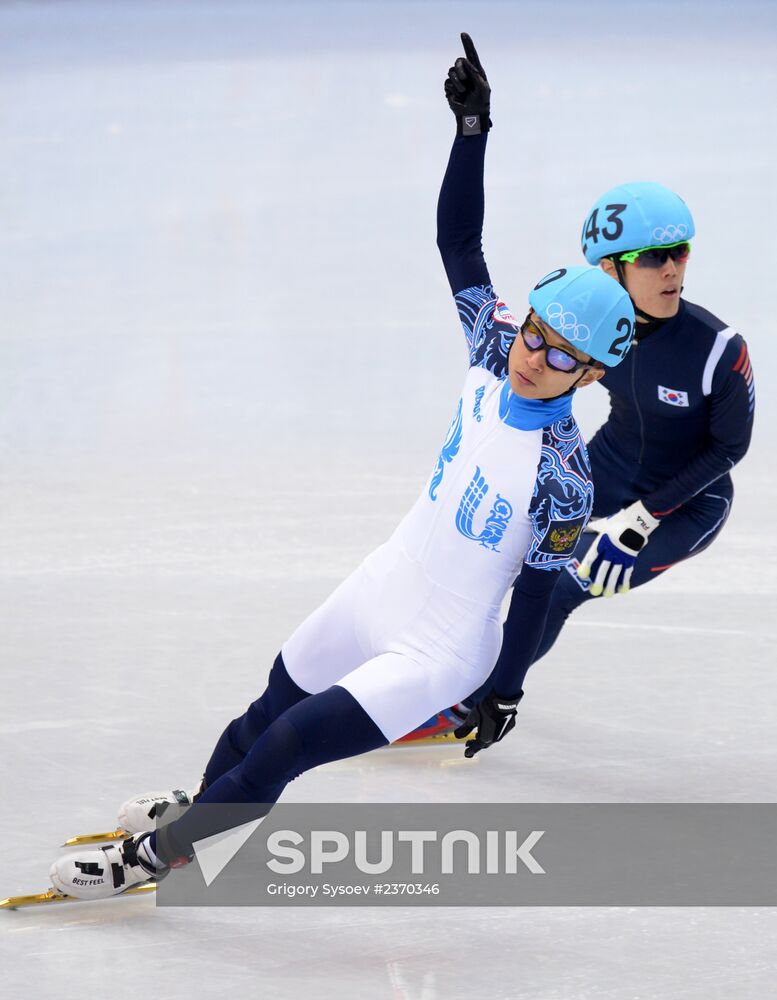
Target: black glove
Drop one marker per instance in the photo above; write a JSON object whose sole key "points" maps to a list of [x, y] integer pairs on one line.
{"points": [[468, 92], [493, 717]]}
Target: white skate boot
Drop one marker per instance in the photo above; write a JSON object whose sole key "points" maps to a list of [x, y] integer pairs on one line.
{"points": [[138, 815], [106, 871]]}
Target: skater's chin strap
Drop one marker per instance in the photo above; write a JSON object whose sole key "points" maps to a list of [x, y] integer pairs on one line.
{"points": [[649, 326]]}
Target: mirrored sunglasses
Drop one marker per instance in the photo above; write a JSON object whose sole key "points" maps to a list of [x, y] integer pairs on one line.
{"points": [[658, 256], [555, 358]]}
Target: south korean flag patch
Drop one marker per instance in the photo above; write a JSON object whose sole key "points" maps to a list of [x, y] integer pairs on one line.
{"points": [[675, 397]]}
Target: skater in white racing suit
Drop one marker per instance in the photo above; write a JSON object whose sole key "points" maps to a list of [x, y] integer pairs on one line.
{"points": [[417, 626]]}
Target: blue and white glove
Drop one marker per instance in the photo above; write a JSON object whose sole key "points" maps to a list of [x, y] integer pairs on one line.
{"points": [[620, 540]]}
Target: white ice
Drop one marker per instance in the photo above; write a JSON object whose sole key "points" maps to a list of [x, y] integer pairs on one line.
{"points": [[227, 358]]}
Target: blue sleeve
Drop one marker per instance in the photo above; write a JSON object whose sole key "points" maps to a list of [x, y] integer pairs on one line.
{"points": [[488, 323], [489, 328], [460, 212], [523, 628], [732, 405], [559, 511], [563, 497]]}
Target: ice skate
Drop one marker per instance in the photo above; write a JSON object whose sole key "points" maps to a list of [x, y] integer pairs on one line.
{"points": [[439, 728], [139, 814], [105, 871]]}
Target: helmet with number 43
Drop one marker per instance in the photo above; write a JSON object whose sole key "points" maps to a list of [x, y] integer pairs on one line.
{"points": [[589, 309], [635, 217]]}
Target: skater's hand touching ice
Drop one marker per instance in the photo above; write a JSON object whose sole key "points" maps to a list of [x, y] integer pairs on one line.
{"points": [[493, 718]]}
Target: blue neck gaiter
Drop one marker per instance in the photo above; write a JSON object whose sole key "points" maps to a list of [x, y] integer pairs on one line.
{"points": [[531, 414]]}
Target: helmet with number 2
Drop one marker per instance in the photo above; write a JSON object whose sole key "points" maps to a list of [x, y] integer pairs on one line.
{"points": [[589, 309], [634, 217]]}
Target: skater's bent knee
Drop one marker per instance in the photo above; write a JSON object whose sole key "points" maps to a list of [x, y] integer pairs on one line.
{"points": [[276, 759]]}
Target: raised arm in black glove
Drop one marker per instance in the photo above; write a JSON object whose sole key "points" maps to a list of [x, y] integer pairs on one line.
{"points": [[468, 92], [493, 718]]}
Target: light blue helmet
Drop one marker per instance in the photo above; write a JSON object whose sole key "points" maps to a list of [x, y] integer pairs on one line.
{"points": [[633, 217], [589, 309]]}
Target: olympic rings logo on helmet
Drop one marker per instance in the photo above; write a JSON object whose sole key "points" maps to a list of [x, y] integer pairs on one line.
{"points": [[566, 323], [670, 234]]}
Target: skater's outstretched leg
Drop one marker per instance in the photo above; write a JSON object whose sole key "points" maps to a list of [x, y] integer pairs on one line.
{"points": [[140, 813], [317, 730], [321, 651]]}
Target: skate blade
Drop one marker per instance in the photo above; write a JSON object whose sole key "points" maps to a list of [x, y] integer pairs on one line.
{"points": [[427, 740], [96, 838], [52, 896]]}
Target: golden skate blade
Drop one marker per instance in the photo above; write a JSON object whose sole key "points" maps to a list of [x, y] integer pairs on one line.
{"points": [[427, 740], [52, 896], [96, 838]]}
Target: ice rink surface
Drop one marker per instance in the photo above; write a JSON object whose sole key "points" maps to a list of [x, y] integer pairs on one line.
{"points": [[228, 357]]}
